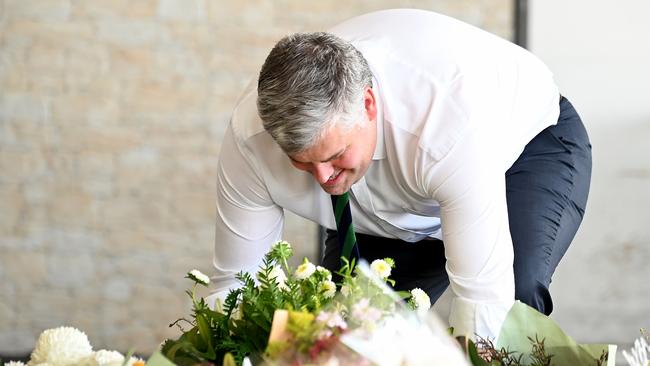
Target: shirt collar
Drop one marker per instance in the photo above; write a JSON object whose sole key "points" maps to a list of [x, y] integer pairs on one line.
{"points": [[380, 149]]}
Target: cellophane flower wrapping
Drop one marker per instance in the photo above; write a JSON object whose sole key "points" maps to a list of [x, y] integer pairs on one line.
{"points": [[367, 324]]}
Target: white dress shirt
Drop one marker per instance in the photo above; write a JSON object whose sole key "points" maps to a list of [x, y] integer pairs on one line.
{"points": [[457, 105]]}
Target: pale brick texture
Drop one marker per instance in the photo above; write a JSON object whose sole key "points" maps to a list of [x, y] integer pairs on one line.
{"points": [[111, 116]]}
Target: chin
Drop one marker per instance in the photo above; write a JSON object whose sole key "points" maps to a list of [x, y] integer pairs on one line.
{"points": [[332, 190], [336, 190], [341, 187]]}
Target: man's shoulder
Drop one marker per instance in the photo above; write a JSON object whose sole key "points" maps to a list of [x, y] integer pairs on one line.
{"points": [[245, 122]]}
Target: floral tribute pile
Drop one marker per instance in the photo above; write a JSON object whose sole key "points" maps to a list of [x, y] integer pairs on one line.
{"points": [[287, 317], [298, 317], [309, 316]]}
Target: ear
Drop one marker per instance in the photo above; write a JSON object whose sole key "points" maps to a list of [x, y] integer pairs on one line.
{"points": [[370, 104]]}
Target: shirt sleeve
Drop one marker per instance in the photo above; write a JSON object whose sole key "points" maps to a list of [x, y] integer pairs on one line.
{"points": [[469, 184], [247, 220]]}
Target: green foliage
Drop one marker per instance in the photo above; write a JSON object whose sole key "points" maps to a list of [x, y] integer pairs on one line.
{"points": [[538, 354], [484, 353], [241, 325]]}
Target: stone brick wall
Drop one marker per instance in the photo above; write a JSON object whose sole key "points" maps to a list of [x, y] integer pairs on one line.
{"points": [[111, 116]]}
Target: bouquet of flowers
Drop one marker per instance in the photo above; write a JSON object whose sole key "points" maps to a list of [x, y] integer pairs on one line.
{"points": [[365, 324], [301, 317], [286, 316]]}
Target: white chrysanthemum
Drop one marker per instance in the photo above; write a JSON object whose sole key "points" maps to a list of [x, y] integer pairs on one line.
{"points": [[104, 357], [345, 290], [14, 363], [325, 272], [327, 288], [421, 300], [381, 268], [198, 277], [61, 346], [305, 270], [638, 355], [280, 277], [86, 361]]}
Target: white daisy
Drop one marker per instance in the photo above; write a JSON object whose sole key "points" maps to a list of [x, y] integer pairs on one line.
{"points": [[305, 270], [327, 288], [381, 268], [198, 277]]}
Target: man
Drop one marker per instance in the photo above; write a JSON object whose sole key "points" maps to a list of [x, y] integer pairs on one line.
{"points": [[456, 148]]}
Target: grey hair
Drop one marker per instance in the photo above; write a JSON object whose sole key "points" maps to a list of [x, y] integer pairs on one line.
{"points": [[308, 83]]}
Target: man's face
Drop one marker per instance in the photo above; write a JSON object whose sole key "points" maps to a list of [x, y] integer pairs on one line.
{"points": [[341, 157]]}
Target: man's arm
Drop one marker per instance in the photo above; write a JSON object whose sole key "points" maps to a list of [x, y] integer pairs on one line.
{"points": [[248, 221], [469, 184]]}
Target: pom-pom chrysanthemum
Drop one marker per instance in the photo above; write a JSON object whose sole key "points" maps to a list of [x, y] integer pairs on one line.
{"points": [[420, 300], [61, 346]]}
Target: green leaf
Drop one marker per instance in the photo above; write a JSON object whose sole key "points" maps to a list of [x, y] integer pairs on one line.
{"points": [[474, 357], [206, 335], [184, 349]]}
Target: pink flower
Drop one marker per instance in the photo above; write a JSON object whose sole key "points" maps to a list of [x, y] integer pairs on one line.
{"points": [[363, 312], [331, 320]]}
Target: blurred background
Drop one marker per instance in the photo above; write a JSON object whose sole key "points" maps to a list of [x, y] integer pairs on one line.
{"points": [[111, 117]]}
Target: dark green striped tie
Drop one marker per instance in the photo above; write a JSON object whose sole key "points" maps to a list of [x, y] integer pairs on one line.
{"points": [[344, 227]]}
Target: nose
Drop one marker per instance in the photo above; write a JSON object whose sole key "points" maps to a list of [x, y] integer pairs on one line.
{"points": [[322, 172]]}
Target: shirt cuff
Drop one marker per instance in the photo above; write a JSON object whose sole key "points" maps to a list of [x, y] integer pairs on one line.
{"points": [[471, 318]]}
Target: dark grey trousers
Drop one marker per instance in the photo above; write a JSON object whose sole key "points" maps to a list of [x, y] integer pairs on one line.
{"points": [[546, 188]]}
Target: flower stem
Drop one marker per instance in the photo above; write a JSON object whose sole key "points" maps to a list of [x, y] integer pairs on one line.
{"points": [[286, 265], [193, 294]]}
